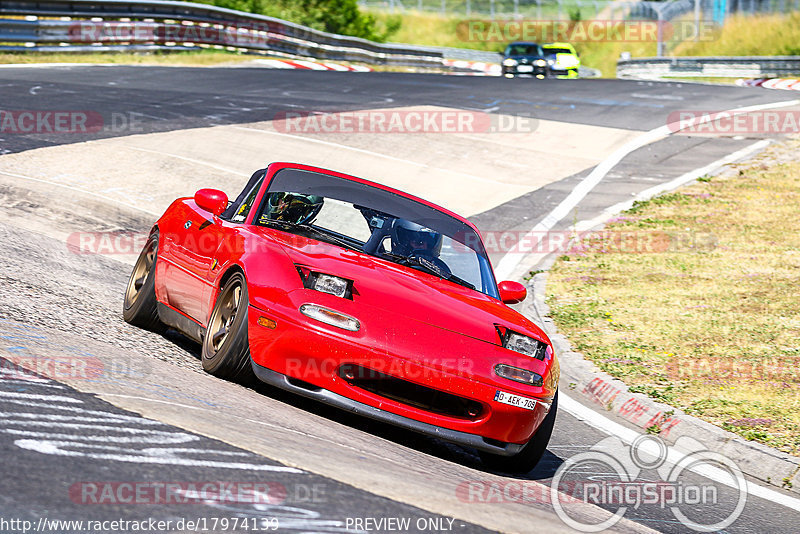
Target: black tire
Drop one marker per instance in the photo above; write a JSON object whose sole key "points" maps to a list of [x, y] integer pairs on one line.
{"points": [[526, 459], [226, 349], [139, 306]]}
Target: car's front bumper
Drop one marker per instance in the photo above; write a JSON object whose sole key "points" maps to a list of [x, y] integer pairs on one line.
{"points": [[284, 382], [312, 354], [517, 70]]}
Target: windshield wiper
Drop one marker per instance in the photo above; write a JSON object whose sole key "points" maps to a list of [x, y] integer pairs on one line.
{"points": [[414, 260], [326, 235]]}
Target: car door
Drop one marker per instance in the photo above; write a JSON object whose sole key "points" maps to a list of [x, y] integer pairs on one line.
{"points": [[194, 253], [191, 253]]}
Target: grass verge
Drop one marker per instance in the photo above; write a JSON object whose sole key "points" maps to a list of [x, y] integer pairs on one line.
{"points": [[702, 313], [746, 35]]}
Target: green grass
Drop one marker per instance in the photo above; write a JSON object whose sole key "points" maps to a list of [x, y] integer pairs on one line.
{"points": [[751, 35], [691, 299]]}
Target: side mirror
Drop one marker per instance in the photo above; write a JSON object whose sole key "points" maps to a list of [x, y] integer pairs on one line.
{"points": [[211, 200], [512, 292]]}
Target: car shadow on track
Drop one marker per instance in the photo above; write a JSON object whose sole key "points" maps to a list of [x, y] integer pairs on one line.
{"points": [[449, 452]]}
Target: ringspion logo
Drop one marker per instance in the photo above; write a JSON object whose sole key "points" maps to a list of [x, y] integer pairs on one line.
{"points": [[644, 474]]}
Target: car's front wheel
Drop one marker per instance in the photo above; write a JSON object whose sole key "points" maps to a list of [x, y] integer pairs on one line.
{"points": [[139, 307], [226, 350], [526, 459]]}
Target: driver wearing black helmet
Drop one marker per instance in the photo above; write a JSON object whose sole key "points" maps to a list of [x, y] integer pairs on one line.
{"points": [[294, 208], [412, 238]]}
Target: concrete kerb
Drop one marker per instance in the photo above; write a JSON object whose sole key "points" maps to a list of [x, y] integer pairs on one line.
{"points": [[583, 379]]}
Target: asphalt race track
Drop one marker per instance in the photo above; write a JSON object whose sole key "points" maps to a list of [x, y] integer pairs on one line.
{"points": [[146, 417]]}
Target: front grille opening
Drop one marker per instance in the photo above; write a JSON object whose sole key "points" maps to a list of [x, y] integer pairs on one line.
{"points": [[397, 389]]}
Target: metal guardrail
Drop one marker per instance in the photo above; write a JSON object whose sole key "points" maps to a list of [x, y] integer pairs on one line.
{"points": [[722, 67], [470, 55], [70, 25]]}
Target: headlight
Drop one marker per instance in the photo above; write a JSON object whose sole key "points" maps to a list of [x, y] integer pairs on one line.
{"points": [[540, 63], [326, 283], [524, 345], [331, 317], [509, 62], [518, 375]]}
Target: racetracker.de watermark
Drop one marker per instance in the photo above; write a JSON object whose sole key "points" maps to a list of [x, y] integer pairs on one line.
{"points": [[734, 123], [192, 492], [611, 241], [544, 30], [392, 121], [494, 242], [252, 35], [62, 367], [735, 370], [36, 121]]}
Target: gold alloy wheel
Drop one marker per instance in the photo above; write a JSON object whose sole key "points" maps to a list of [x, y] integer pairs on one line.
{"points": [[140, 272], [224, 315]]}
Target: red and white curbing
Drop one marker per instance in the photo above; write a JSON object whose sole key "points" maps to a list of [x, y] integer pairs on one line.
{"points": [[787, 84], [479, 67], [310, 65], [473, 68]]}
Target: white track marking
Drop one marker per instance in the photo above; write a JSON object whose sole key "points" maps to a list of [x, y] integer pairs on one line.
{"points": [[151, 437], [602, 423], [668, 186], [190, 160], [512, 259], [49, 398], [262, 423], [84, 191], [155, 455]]}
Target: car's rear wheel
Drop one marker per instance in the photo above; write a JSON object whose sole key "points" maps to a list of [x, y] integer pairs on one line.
{"points": [[531, 453], [140, 307], [226, 350]]}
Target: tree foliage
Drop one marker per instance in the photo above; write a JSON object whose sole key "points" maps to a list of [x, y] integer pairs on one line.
{"points": [[334, 16]]}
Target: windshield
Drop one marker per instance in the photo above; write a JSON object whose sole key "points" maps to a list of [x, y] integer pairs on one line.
{"points": [[523, 50], [379, 223], [557, 51]]}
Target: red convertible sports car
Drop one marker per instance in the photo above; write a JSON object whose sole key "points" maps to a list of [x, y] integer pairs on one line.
{"points": [[357, 295]]}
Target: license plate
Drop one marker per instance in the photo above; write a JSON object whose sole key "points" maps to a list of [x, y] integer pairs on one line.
{"points": [[515, 400], [524, 68]]}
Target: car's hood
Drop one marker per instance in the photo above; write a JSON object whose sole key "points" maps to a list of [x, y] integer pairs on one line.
{"points": [[407, 293]]}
